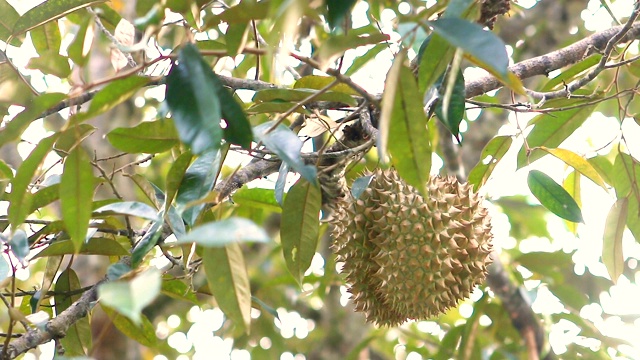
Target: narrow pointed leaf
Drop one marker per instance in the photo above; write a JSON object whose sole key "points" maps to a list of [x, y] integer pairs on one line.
{"points": [[14, 129], [149, 137], [197, 182], [46, 38], [176, 176], [300, 226], [553, 197], [337, 10], [49, 11], [625, 174], [577, 162], [551, 130], [455, 109], [491, 155], [389, 96], [8, 18], [223, 232], [114, 94], [192, 99], [20, 198], [148, 241], [143, 333], [612, 256], [229, 283], [76, 191], [573, 187], [287, 146], [95, 246], [77, 340], [410, 145]]}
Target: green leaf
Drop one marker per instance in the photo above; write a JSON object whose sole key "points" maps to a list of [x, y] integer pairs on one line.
{"points": [[603, 166], [336, 45], [191, 97], [236, 37], [150, 137], [175, 177], [14, 88], [300, 227], [197, 182], [553, 196], [223, 232], [491, 155], [8, 18], [51, 63], [49, 11], [113, 94], [274, 107], [14, 129], [129, 298], [19, 244], [612, 256], [337, 10], [626, 171], [79, 48], [71, 137], [410, 145], [526, 219], [296, 95], [148, 241], [287, 146], [389, 98], [257, 198], [46, 38], [551, 130], [484, 47], [318, 82], [434, 56], [567, 75], [77, 340], [94, 246], [178, 289], [360, 61], [229, 283], [577, 162], [143, 333], [20, 198], [243, 12], [132, 208], [455, 110], [76, 191], [572, 185]]}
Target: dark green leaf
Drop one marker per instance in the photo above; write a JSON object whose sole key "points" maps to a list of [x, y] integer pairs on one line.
{"points": [[197, 182], [130, 297], [612, 255], [485, 48], [132, 208], [150, 137], [456, 108], [117, 270], [337, 10], [76, 191], [148, 241], [223, 232], [48, 11], [300, 227], [175, 177], [287, 146], [229, 283], [491, 155], [553, 196], [192, 98]]}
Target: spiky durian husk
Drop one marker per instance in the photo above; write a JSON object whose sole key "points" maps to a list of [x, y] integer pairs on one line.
{"points": [[410, 257]]}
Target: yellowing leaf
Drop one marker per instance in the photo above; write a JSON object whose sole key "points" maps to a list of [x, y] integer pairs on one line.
{"points": [[577, 162], [612, 256]]}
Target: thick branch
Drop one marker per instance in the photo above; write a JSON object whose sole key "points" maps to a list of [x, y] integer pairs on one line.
{"points": [[58, 326], [542, 65]]}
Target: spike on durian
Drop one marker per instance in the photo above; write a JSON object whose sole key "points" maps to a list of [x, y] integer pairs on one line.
{"points": [[410, 257]]}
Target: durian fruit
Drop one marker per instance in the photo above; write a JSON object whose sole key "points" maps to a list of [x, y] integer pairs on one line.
{"points": [[410, 257]]}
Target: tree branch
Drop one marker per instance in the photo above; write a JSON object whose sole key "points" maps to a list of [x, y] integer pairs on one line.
{"points": [[544, 64], [58, 326]]}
